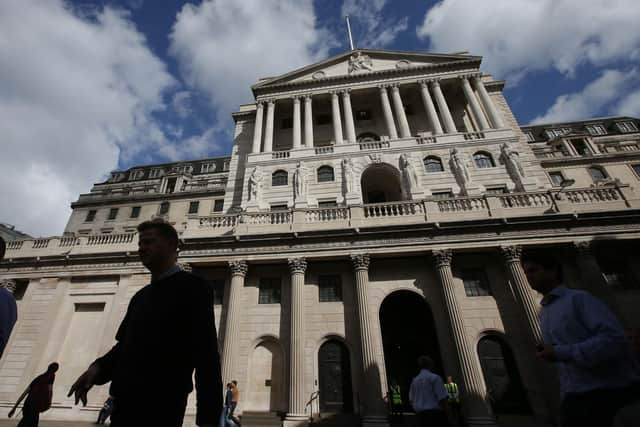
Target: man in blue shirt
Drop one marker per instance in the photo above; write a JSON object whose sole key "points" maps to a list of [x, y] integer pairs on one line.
{"points": [[428, 395], [582, 337], [8, 308]]}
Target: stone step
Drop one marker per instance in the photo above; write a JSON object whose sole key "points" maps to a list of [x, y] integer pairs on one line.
{"points": [[336, 420], [260, 419]]}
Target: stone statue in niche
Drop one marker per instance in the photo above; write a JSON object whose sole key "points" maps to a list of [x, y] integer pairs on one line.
{"points": [[511, 160], [460, 170], [409, 174], [255, 184], [347, 176], [300, 182], [360, 62]]}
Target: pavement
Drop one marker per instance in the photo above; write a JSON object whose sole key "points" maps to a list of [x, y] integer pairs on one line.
{"points": [[14, 421]]}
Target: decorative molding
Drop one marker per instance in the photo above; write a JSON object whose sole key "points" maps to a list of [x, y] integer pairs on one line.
{"points": [[238, 267], [442, 257], [318, 75], [185, 266], [8, 284], [297, 265], [360, 261], [511, 253], [583, 247]]}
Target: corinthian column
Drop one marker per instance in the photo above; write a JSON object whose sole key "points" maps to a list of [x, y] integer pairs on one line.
{"points": [[432, 115], [231, 336], [522, 290], [474, 401], [257, 129], [297, 128], [268, 131], [388, 115], [297, 267], [337, 121], [489, 106], [373, 406], [405, 132], [308, 122], [348, 117], [473, 102], [449, 125]]}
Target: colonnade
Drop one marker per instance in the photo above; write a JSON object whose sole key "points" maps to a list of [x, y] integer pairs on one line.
{"points": [[483, 110]]}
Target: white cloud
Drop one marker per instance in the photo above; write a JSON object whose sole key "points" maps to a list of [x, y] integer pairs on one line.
{"points": [[371, 29], [600, 95], [519, 36], [76, 92], [181, 103], [224, 46]]}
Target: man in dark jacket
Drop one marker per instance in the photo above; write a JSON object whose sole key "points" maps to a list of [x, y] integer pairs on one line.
{"points": [[166, 334]]}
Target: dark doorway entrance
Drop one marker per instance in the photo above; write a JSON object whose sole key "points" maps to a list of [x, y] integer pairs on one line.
{"points": [[502, 377], [380, 183], [335, 378], [408, 332]]}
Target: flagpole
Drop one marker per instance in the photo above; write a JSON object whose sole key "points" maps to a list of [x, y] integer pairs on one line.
{"points": [[349, 30]]}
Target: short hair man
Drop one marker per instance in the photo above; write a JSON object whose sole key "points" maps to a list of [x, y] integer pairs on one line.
{"points": [[428, 395], [8, 308], [166, 334], [597, 372]]}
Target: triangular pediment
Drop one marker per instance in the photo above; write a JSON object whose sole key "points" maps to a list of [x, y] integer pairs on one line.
{"points": [[362, 62]]}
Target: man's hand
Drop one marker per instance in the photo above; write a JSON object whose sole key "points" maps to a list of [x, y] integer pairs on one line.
{"points": [[546, 353], [84, 383]]}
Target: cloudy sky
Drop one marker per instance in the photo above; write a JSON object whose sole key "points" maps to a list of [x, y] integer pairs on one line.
{"points": [[89, 86]]}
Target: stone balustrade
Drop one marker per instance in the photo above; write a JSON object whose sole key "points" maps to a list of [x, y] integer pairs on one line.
{"points": [[72, 245], [394, 209]]}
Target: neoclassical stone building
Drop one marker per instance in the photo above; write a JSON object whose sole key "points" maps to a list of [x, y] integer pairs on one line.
{"points": [[374, 208]]}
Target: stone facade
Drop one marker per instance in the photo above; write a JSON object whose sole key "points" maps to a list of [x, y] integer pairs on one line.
{"points": [[372, 188]]}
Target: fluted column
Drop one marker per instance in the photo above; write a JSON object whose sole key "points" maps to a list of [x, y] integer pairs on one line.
{"points": [[337, 121], [489, 106], [348, 117], [257, 129], [371, 394], [232, 323], [405, 132], [477, 408], [522, 290], [432, 115], [473, 102], [449, 125], [297, 268], [388, 115], [308, 122], [268, 131], [297, 128]]}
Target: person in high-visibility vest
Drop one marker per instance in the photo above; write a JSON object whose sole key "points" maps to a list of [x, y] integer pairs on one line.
{"points": [[453, 401], [396, 400]]}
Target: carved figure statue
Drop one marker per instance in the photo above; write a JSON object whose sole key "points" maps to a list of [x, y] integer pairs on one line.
{"points": [[255, 184], [459, 168], [511, 160], [347, 175], [409, 173], [360, 62], [300, 182]]}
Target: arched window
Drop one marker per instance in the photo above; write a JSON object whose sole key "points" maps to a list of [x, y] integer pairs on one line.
{"points": [[368, 137], [279, 177], [597, 173], [433, 164], [325, 174], [482, 159]]}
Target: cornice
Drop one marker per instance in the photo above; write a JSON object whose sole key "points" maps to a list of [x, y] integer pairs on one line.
{"points": [[591, 160], [106, 200]]}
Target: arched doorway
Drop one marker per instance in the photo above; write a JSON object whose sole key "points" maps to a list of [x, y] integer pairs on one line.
{"points": [[266, 380], [408, 332], [507, 394], [334, 372], [381, 183]]}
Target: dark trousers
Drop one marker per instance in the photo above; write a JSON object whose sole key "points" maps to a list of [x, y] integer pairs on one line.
{"points": [[432, 418], [30, 418], [596, 408], [140, 412]]}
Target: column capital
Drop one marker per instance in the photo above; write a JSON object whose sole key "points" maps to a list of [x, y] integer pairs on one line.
{"points": [[297, 265], [464, 76], [296, 98], [583, 247], [334, 93], [423, 82], [345, 91], [260, 103], [270, 101], [185, 266], [383, 87], [307, 97], [442, 257], [511, 253], [8, 284], [238, 267], [360, 261]]}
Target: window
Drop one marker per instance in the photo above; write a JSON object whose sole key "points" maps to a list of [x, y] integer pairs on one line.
{"points": [[193, 207], [91, 215], [182, 168], [164, 208], [208, 167], [279, 207], [596, 129], [554, 133], [135, 212], [581, 147], [475, 283], [627, 127], [286, 123], [218, 205], [218, 290], [433, 164], [171, 185], [439, 195], [269, 291], [363, 115], [636, 169], [113, 213], [21, 289], [483, 160], [323, 119], [136, 174], [325, 174], [155, 173], [500, 189], [279, 177], [556, 178], [529, 136], [327, 204], [330, 288], [597, 174]]}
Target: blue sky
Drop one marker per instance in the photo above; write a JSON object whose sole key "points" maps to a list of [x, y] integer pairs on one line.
{"points": [[88, 86]]}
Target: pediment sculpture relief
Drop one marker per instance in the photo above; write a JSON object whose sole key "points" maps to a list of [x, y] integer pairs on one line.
{"points": [[360, 63]]}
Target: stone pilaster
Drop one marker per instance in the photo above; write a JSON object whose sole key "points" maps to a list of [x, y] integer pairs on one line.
{"points": [[388, 115], [432, 115], [449, 125], [348, 117], [296, 415], [405, 132], [337, 121], [473, 102], [268, 131], [231, 335], [257, 129], [474, 400], [308, 121], [297, 124], [489, 106]]}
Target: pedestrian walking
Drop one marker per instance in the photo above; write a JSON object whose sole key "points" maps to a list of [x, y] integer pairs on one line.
{"points": [[428, 395], [167, 333], [235, 397], [38, 397], [453, 402], [105, 411], [584, 340], [225, 420]]}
